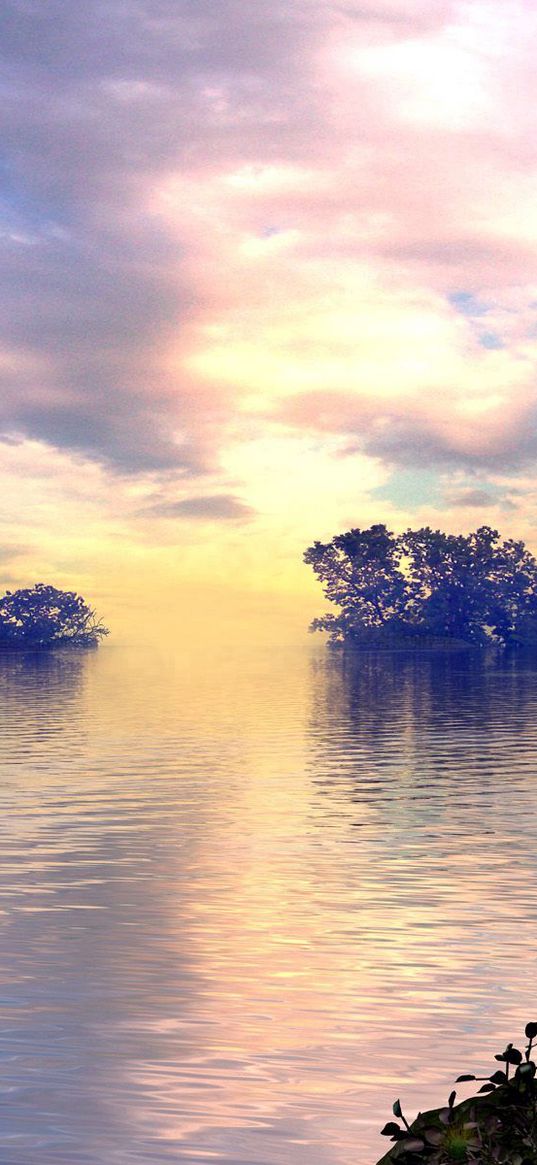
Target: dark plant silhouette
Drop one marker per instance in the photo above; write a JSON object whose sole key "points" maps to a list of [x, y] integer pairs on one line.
{"points": [[43, 616], [497, 1126], [424, 585]]}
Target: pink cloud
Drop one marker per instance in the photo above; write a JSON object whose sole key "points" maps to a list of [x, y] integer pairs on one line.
{"points": [[241, 209]]}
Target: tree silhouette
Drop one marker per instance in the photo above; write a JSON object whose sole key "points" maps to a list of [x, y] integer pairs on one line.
{"points": [[475, 588], [43, 616]]}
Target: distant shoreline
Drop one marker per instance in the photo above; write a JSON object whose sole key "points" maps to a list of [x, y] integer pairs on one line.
{"points": [[17, 648], [445, 647], [440, 647]]}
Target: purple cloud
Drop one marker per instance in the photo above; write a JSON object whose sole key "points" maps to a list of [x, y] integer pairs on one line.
{"points": [[216, 507], [99, 102]]}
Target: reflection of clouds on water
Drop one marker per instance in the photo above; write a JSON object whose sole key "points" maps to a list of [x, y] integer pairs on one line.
{"points": [[58, 938], [142, 895], [426, 765], [243, 899]]}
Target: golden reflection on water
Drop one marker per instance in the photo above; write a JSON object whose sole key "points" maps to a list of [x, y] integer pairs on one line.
{"points": [[250, 897]]}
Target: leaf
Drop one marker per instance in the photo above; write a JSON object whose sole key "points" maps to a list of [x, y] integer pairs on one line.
{"points": [[498, 1077], [461, 1079], [451, 1100], [531, 1031], [396, 1108], [414, 1145], [513, 1056], [390, 1130], [487, 1088]]}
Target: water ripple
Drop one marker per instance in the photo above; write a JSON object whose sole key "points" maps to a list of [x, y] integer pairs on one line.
{"points": [[247, 899]]}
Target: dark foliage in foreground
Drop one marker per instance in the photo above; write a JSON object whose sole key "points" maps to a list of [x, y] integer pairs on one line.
{"points": [[424, 586], [496, 1127], [43, 617]]}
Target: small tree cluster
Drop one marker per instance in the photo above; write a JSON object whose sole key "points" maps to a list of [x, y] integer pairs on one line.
{"points": [[475, 587], [43, 616]]}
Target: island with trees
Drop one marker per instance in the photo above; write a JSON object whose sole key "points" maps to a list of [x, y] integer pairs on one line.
{"points": [[42, 617], [426, 588], [498, 1126]]}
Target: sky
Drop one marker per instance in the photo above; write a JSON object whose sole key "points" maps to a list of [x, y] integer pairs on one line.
{"points": [[269, 272]]}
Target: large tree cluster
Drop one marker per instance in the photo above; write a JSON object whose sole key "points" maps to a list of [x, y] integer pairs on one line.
{"points": [[43, 616], [475, 588]]}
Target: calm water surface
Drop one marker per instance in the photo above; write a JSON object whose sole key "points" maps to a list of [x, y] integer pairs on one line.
{"points": [[248, 899]]}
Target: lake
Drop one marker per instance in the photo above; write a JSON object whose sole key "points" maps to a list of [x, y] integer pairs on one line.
{"points": [[248, 898]]}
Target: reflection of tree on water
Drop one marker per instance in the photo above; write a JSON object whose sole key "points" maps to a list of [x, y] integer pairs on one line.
{"points": [[40, 694], [63, 668], [419, 729]]}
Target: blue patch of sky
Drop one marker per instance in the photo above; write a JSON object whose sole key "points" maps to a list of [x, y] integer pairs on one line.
{"points": [[491, 340], [481, 485], [495, 491], [411, 487], [468, 303], [473, 308], [417, 487]]}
